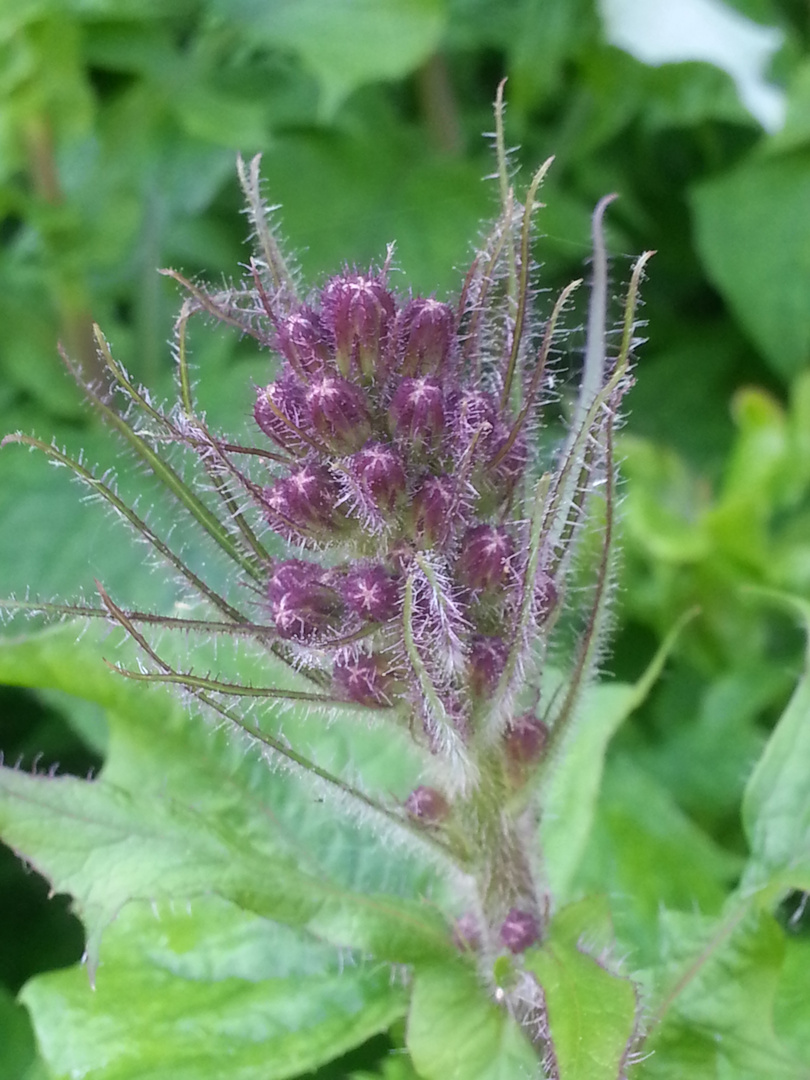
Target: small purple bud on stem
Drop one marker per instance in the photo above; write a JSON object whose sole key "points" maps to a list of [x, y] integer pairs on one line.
{"points": [[472, 418], [304, 502], [281, 412], [428, 805], [488, 654], [432, 505], [359, 310], [426, 331], [303, 606], [363, 679], [372, 593], [484, 560], [526, 739], [339, 413], [303, 340], [416, 414], [545, 595], [520, 930], [379, 471]]}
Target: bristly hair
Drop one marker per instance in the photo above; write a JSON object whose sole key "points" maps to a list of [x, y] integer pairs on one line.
{"points": [[400, 549]]}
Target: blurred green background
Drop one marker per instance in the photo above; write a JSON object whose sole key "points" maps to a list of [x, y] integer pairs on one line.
{"points": [[120, 121]]}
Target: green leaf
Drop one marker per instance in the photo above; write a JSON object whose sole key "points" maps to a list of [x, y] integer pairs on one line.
{"points": [[753, 236], [713, 1010], [590, 1012], [570, 804], [644, 852], [207, 993], [345, 43], [16, 1038], [776, 804], [456, 1033], [180, 810]]}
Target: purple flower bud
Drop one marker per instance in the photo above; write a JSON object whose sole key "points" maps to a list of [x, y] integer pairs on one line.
{"points": [[359, 309], [488, 655], [426, 330], [473, 415], [372, 593], [365, 679], [303, 502], [416, 414], [484, 557], [379, 471], [338, 411], [526, 739], [427, 804], [281, 412], [303, 606], [505, 472], [467, 933], [520, 930], [545, 595], [432, 509], [303, 340]]}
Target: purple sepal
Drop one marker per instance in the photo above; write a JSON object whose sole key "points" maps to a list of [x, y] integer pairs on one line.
{"points": [[520, 930], [372, 593]]}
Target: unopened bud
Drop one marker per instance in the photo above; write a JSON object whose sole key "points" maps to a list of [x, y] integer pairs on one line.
{"points": [[303, 606], [526, 739], [484, 557], [379, 472], [372, 593], [427, 804], [363, 679], [416, 414], [432, 509], [303, 340], [339, 413], [359, 310], [520, 930], [426, 332], [473, 415], [545, 595], [488, 654], [281, 412], [304, 502]]}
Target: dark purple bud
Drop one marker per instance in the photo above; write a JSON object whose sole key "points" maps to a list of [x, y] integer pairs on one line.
{"points": [[520, 930], [426, 332], [488, 655], [467, 933], [484, 560], [358, 310], [304, 501], [303, 606], [433, 503], [507, 461], [303, 340], [365, 679], [427, 804], [372, 593], [416, 414], [379, 472], [545, 595], [281, 413], [473, 415], [526, 739], [339, 413]]}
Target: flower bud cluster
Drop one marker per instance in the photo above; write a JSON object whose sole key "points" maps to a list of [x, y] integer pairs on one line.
{"points": [[404, 468]]}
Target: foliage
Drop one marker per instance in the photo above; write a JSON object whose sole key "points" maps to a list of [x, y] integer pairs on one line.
{"points": [[674, 825]]}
